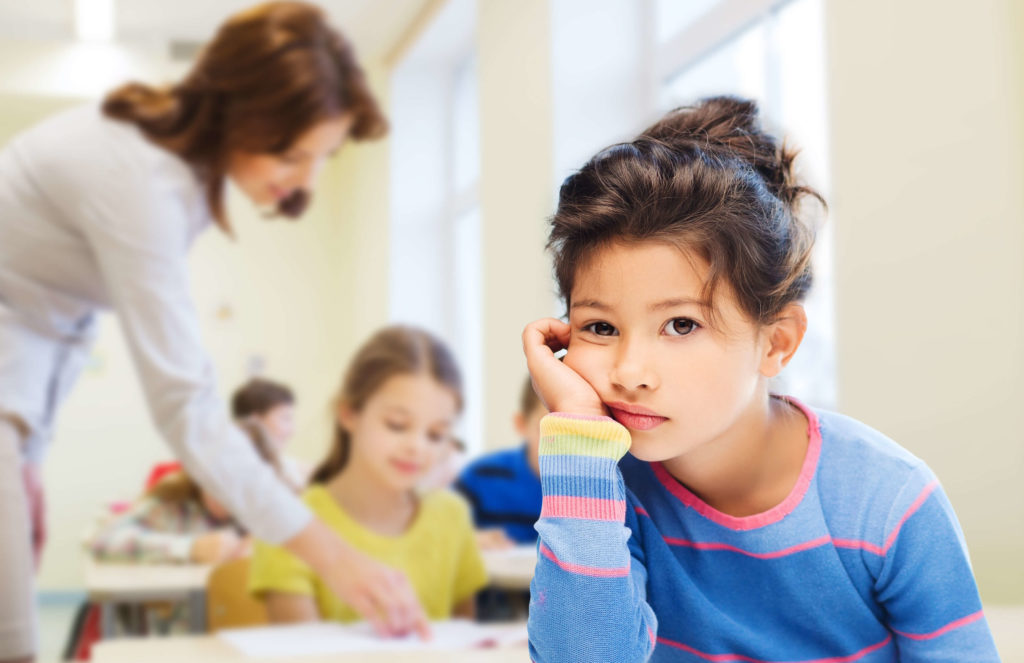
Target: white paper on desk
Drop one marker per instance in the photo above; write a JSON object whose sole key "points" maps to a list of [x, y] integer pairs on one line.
{"points": [[334, 638]]}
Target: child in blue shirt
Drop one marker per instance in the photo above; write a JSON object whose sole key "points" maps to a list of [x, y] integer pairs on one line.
{"points": [[503, 487], [743, 526]]}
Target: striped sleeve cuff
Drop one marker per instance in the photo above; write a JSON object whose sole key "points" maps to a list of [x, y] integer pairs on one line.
{"points": [[579, 467]]}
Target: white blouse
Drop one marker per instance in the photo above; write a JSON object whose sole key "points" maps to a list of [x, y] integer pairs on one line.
{"points": [[93, 215]]}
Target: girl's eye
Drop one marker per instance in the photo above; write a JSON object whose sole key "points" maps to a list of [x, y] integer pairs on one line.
{"points": [[395, 426], [680, 327], [437, 437], [601, 329]]}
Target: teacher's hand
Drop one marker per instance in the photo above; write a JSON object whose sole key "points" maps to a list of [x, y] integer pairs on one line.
{"points": [[36, 508], [380, 593]]}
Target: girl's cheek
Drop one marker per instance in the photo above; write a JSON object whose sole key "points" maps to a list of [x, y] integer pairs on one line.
{"points": [[584, 360]]}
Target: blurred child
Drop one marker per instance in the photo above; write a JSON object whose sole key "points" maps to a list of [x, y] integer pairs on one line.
{"points": [[503, 487], [272, 405], [743, 525], [399, 399], [176, 522]]}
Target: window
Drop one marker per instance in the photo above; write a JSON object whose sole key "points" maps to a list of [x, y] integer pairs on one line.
{"points": [[435, 214], [772, 51]]}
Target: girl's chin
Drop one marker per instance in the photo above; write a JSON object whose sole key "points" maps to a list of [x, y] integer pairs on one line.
{"points": [[650, 451]]}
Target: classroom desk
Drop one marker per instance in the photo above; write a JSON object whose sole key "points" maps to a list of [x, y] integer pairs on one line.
{"points": [[209, 649], [512, 568], [110, 584]]}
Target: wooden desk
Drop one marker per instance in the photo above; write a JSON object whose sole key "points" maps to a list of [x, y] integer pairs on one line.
{"points": [[112, 584], [512, 568], [209, 649]]}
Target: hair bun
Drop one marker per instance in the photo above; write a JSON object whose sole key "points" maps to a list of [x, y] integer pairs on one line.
{"points": [[731, 127]]}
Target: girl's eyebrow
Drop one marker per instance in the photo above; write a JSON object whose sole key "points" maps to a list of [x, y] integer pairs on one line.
{"points": [[657, 306], [676, 301], [591, 303]]}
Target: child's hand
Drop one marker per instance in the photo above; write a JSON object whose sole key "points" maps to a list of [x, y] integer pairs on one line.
{"points": [[216, 547], [493, 539], [561, 388]]}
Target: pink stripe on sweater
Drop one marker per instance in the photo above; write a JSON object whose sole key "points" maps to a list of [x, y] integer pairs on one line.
{"points": [[963, 621], [709, 545], [723, 658], [913, 508], [579, 569], [776, 513], [590, 508]]}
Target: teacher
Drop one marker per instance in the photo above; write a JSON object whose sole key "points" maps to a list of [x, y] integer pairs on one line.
{"points": [[98, 208]]}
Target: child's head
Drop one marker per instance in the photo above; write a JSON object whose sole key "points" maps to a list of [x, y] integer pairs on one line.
{"points": [[683, 261], [398, 402], [531, 411], [269, 403]]}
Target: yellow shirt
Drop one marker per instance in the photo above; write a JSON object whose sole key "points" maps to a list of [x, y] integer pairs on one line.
{"points": [[438, 553]]}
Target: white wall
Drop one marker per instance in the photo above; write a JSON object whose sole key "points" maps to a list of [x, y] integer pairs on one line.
{"points": [[927, 204]]}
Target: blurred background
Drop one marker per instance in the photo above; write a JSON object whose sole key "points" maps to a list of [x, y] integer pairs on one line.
{"points": [[910, 117]]}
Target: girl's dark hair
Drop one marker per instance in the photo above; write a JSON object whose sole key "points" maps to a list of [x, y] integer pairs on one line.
{"points": [[394, 350], [271, 73], [259, 396], [706, 178]]}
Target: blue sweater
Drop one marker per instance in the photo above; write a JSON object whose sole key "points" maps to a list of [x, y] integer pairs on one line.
{"points": [[863, 561], [503, 492]]}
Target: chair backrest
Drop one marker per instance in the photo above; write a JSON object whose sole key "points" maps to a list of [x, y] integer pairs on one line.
{"points": [[228, 601]]}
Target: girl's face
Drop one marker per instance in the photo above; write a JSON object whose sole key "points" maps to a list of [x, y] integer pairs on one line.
{"points": [[267, 179], [402, 431], [279, 423], [640, 337]]}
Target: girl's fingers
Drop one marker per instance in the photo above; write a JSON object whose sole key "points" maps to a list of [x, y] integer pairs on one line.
{"points": [[560, 388]]}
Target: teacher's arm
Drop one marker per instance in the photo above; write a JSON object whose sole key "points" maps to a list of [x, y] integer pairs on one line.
{"points": [[138, 231]]}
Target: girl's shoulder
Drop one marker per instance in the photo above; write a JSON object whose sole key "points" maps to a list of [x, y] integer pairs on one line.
{"points": [[865, 476], [853, 447]]}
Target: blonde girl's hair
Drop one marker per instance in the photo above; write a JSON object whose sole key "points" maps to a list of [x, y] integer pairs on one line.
{"points": [[394, 350]]}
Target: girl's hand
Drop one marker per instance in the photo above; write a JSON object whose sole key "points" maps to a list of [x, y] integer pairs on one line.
{"points": [[559, 387], [380, 593]]}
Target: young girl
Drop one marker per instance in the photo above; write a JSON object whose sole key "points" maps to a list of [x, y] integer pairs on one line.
{"points": [[398, 402], [176, 521], [745, 526], [271, 405]]}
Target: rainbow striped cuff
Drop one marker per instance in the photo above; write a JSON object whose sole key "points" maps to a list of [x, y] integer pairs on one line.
{"points": [[579, 458]]}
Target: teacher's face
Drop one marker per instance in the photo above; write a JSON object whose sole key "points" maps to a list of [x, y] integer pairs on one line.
{"points": [[266, 179]]}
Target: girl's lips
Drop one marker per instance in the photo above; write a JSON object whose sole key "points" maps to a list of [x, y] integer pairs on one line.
{"points": [[636, 418], [404, 467]]}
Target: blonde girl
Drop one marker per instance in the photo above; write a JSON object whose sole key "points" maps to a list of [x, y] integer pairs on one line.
{"points": [[394, 415]]}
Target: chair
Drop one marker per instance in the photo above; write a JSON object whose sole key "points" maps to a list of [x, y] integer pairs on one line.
{"points": [[228, 602]]}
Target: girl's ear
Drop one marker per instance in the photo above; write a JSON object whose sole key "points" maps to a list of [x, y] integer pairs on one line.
{"points": [[519, 422], [345, 416], [782, 338]]}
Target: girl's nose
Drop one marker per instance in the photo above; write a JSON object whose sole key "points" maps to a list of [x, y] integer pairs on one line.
{"points": [[634, 368]]}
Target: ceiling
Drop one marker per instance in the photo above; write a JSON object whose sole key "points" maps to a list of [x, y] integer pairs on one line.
{"points": [[375, 26]]}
